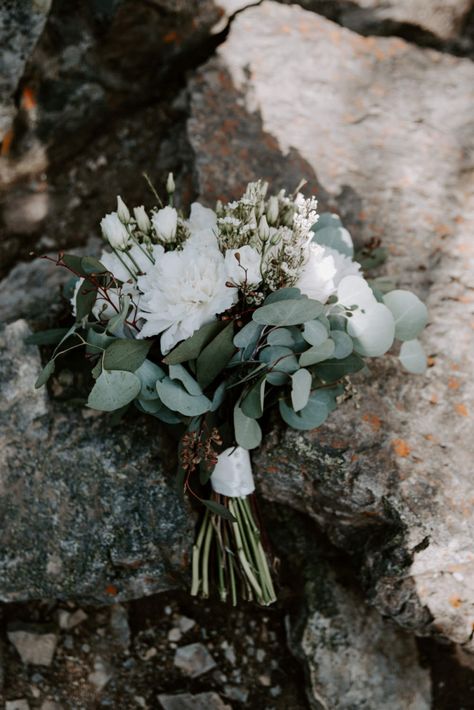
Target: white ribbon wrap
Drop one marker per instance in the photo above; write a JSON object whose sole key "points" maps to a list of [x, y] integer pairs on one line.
{"points": [[232, 475]]}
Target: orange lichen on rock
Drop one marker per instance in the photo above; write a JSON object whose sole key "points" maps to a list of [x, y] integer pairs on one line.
{"points": [[401, 448], [111, 590], [461, 409], [374, 421], [453, 383], [455, 602]]}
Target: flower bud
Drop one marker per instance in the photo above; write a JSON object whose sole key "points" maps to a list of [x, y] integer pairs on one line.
{"points": [[165, 222], [263, 229], [114, 231], [170, 186], [273, 210], [142, 219], [122, 211]]}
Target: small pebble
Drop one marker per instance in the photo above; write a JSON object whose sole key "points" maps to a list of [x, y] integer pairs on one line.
{"points": [[186, 624], [275, 691], [174, 634], [260, 655], [168, 610], [265, 680]]}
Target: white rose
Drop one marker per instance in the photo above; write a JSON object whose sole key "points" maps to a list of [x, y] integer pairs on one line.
{"points": [[142, 219], [323, 271], [184, 291], [114, 231], [246, 268], [202, 225], [165, 222]]}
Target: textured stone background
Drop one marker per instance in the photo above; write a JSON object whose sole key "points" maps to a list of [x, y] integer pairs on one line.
{"points": [[371, 102]]}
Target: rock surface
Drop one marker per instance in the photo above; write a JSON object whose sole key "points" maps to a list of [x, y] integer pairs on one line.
{"points": [[186, 701], [293, 95], [21, 24], [82, 514], [354, 660], [35, 646]]}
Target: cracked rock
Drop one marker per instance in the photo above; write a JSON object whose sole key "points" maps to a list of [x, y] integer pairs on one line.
{"points": [[389, 476]]}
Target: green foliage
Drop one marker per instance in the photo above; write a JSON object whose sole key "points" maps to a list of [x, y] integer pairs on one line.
{"points": [[247, 430], [83, 265], [47, 337], [300, 388], [335, 237], [410, 314], [175, 397], [343, 344], [252, 402], [190, 349], [318, 353], [149, 373], [85, 299], [215, 356], [413, 357], [113, 390], [178, 372], [315, 332], [45, 374], [219, 509], [126, 354], [333, 370], [284, 294], [311, 416], [288, 312]]}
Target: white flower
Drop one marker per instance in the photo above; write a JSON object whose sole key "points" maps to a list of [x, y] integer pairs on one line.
{"points": [[142, 219], [165, 222], [184, 291], [202, 225], [122, 210], [371, 325], [244, 270], [323, 271], [273, 209], [114, 231], [170, 186]]}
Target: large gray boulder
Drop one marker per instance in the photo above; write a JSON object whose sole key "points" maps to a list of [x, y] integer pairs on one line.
{"points": [[88, 511], [383, 130]]}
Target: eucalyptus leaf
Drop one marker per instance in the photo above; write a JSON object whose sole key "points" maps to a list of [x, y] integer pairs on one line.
{"points": [[372, 330], [279, 358], [335, 237], [117, 321], [247, 335], [47, 337], [317, 353], [175, 397], [327, 219], [413, 357], [315, 332], [252, 402], [126, 354], [288, 312], [178, 372], [113, 390], [333, 370], [410, 314], [149, 373], [310, 417], [280, 336], [343, 344], [284, 294], [219, 509], [247, 430], [158, 410], [215, 356], [45, 374], [90, 265], [97, 342], [85, 299], [190, 348], [219, 396], [277, 379], [300, 389]]}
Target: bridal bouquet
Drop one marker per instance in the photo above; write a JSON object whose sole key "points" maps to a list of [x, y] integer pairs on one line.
{"points": [[209, 321]]}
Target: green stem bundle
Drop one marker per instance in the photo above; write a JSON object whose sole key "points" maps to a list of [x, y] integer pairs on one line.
{"points": [[229, 551]]}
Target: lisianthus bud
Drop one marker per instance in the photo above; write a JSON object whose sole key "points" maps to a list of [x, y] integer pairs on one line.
{"points": [[142, 219], [165, 222], [272, 210], [122, 210], [170, 186], [114, 231], [263, 229]]}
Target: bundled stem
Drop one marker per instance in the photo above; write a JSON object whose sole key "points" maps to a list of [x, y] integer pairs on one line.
{"points": [[230, 552]]}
